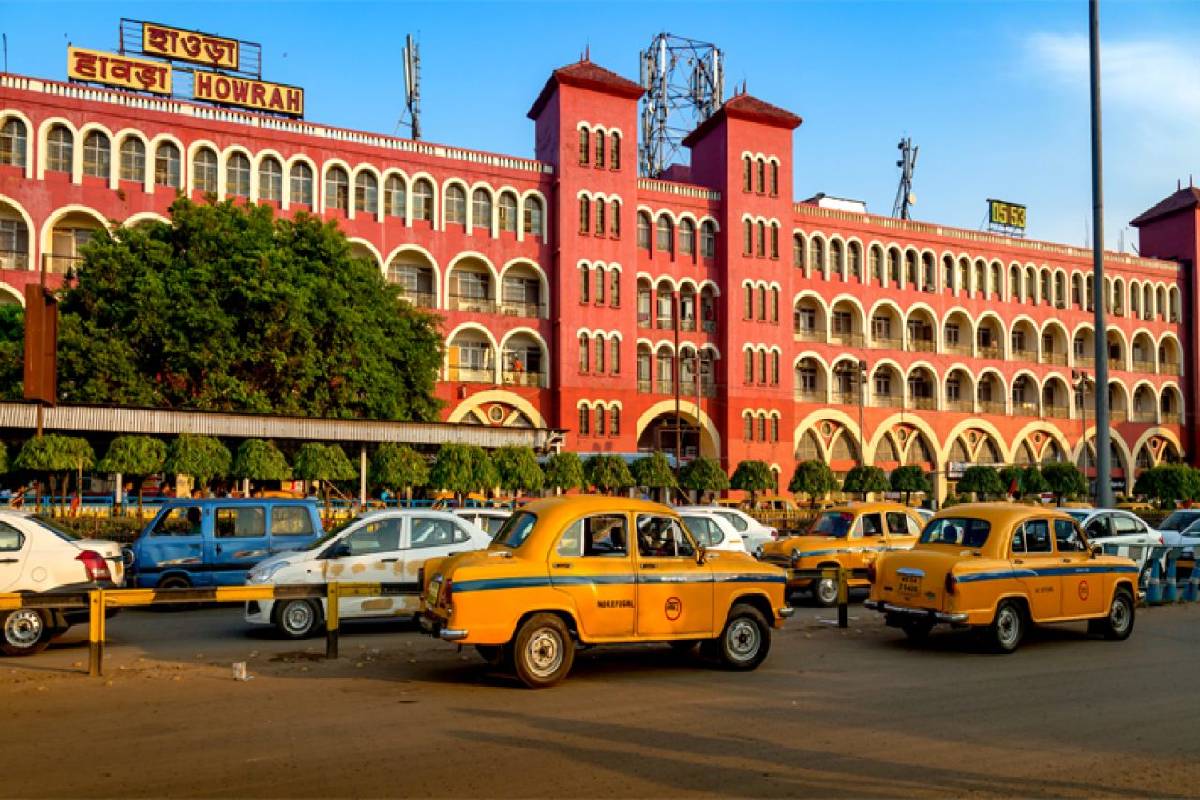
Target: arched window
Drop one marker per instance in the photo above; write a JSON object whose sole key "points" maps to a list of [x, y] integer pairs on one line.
{"points": [[774, 179], [761, 238], [855, 250], [614, 289], [748, 304], [270, 180], [747, 174], [601, 281], [665, 234], [799, 250], [774, 368], [614, 142], [774, 240], [762, 176], [60, 149], [762, 366], [585, 214], [876, 261], [762, 427], [167, 166], [481, 209], [748, 426], [533, 216], [643, 231], [585, 353], [614, 421], [395, 197], [708, 239], [204, 171], [422, 200], [300, 185], [585, 283], [601, 223], [337, 189], [749, 355], [366, 193], [13, 140], [774, 304], [508, 212], [237, 175], [585, 418], [97, 158], [614, 360], [600, 419], [133, 160], [456, 205], [687, 237], [585, 149], [600, 353], [614, 218], [600, 149]]}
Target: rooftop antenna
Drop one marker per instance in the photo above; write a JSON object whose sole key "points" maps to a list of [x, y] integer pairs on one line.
{"points": [[907, 163], [684, 81], [5, 37], [411, 56]]}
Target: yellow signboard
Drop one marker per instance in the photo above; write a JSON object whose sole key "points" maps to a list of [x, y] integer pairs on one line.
{"points": [[1007, 214], [117, 70], [277, 98], [184, 45]]}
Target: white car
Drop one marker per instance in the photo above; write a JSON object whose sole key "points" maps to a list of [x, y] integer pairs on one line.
{"points": [[713, 531], [488, 520], [36, 556], [754, 534], [1130, 536], [379, 547]]}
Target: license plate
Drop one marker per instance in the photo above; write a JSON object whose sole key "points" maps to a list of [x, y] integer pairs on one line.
{"points": [[435, 587], [910, 584]]}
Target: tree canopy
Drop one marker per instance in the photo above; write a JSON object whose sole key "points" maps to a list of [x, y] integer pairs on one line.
{"points": [[813, 478], [564, 471], [260, 460], [202, 457], [397, 466], [753, 477], [134, 455], [1169, 483], [608, 473], [909, 479], [1011, 476], [517, 469], [1065, 480], [864, 480], [52, 452], [982, 480], [226, 308], [462, 468], [654, 472], [12, 351], [323, 462], [3, 458], [1032, 481], [704, 476]]}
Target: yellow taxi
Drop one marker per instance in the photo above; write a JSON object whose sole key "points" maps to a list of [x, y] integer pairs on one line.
{"points": [[1000, 567], [849, 536], [600, 570]]}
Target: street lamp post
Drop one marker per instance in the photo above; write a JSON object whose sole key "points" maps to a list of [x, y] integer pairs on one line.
{"points": [[1104, 493]]}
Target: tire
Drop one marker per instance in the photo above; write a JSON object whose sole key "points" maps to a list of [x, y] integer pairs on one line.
{"points": [[543, 651], [745, 640], [825, 592], [24, 632], [917, 630], [1119, 623], [1007, 629], [296, 619], [1144, 576], [172, 582]]}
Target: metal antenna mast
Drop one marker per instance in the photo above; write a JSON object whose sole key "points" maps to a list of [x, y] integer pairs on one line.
{"points": [[907, 163], [411, 56], [684, 81]]}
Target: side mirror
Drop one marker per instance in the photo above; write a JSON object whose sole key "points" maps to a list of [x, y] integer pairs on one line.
{"points": [[701, 554], [1097, 550]]}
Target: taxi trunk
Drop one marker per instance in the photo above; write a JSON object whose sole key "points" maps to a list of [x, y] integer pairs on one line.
{"points": [[919, 580]]}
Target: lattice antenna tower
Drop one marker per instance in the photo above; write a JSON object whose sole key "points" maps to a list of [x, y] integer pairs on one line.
{"points": [[410, 56], [907, 163], [684, 81]]}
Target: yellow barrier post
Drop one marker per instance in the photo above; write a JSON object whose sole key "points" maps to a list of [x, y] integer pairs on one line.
{"points": [[331, 621], [843, 598], [96, 633]]}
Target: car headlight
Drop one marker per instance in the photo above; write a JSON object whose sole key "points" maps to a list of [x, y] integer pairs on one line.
{"points": [[265, 574], [795, 554]]}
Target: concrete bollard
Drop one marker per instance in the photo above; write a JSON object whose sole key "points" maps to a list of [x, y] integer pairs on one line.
{"points": [[1170, 590], [1192, 593], [1154, 592]]}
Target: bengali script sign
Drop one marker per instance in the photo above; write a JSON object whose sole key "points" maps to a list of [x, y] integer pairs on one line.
{"points": [[184, 45], [116, 70], [262, 95]]}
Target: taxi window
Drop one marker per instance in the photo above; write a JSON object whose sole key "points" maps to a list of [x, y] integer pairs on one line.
{"points": [[912, 526], [662, 537], [602, 536], [871, 525], [179, 521], [1037, 536], [492, 524], [1066, 537], [959, 531], [516, 530], [899, 523], [374, 537], [833, 523]]}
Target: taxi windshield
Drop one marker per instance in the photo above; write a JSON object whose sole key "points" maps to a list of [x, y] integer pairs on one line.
{"points": [[515, 530], [833, 523], [959, 531]]}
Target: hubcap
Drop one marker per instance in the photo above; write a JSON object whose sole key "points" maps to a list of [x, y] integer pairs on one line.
{"points": [[1008, 626], [1118, 617], [742, 640], [23, 628], [298, 617], [544, 653], [827, 590]]}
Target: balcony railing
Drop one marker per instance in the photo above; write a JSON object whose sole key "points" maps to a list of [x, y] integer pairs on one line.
{"points": [[1118, 414], [922, 345], [1116, 364], [886, 401], [922, 403], [1056, 411], [1140, 365], [1085, 361], [645, 386], [1168, 368], [687, 324], [480, 305], [1143, 416], [709, 326], [521, 308], [664, 386], [961, 406], [14, 259], [991, 407], [1170, 417], [810, 335], [1028, 356], [803, 396], [420, 299], [708, 389], [848, 338], [958, 348], [60, 265], [1024, 409], [885, 342], [990, 351], [471, 375], [1059, 359], [665, 323], [644, 321], [523, 378]]}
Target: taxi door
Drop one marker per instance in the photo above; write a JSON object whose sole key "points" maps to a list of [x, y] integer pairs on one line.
{"points": [[593, 565], [1083, 592], [867, 538], [1034, 562], [674, 592], [902, 532]]}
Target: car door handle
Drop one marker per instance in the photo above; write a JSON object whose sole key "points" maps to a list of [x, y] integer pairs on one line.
{"points": [[647, 566], [8, 560], [562, 565], [388, 560], [1018, 561]]}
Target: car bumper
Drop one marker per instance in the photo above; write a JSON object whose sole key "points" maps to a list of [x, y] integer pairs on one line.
{"points": [[950, 618], [433, 626], [258, 612], [785, 612]]}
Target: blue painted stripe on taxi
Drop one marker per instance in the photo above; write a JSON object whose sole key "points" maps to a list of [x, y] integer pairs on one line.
{"points": [[1042, 572], [530, 582]]}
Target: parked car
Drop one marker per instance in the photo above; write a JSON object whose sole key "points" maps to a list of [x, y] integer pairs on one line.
{"points": [[37, 556], [214, 542], [489, 520], [712, 531], [382, 546], [1000, 567], [754, 534], [1127, 534]]}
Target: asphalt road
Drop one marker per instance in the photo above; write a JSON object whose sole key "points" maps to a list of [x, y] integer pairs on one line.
{"points": [[831, 713]]}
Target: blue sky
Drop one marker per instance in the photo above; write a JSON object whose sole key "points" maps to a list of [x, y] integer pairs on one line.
{"points": [[994, 93]]}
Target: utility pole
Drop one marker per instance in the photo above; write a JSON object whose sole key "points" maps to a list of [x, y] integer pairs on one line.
{"points": [[1104, 492]]}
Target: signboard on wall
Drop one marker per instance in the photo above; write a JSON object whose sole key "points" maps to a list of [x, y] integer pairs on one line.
{"points": [[184, 45], [277, 98], [111, 69]]}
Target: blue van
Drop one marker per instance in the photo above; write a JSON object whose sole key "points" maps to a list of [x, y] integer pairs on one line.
{"points": [[214, 542]]}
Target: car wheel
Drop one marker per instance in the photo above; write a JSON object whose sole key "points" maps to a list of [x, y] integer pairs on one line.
{"points": [[1006, 630], [1119, 623], [917, 630], [24, 632], [296, 619], [1144, 576], [745, 640], [825, 592], [543, 651], [172, 582]]}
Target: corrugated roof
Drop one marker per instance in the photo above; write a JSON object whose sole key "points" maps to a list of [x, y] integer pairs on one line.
{"points": [[748, 107], [1182, 200], [588, 76]]}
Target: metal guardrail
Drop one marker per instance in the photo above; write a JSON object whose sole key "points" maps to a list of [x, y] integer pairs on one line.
{"points": [[98, 601]]}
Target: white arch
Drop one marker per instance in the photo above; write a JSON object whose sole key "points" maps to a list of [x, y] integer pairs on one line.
{"points": [[432, 262], [47, 232], [474, 401]]}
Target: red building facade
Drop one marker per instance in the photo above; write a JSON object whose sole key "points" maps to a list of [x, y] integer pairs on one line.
{"points": [[575, 294]]}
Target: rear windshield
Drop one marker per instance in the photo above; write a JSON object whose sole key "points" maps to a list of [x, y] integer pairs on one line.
{"points": [[833, 523], [959, 531], [1179, 520], [515, 530], [57, 531]]}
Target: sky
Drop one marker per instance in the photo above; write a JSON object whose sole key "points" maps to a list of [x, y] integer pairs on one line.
{"points": [[995, 94]]}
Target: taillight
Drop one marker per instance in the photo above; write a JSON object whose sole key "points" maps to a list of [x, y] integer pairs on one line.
{"points": [[871, 572], [951, 583], [95, 565], [444, 597], [774, 534]]}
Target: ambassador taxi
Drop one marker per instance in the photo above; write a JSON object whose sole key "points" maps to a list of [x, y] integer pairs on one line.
{"points": [[600, 570], [849, 536], [1001, 567]]}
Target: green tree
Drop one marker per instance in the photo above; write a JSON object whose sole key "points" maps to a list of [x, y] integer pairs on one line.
{"points": [[398, 467], [3, 459], [564, 471], [323, 463], [1065, 480], [1032, 481], [982, 480], [753, 477], [909, 479], [813, 478], [653, 472], [260, 460], [864, 480], [202, 457], [1169, 483], [703, 476], [56, 456], [608, 473], [517, 469], [1010, 476], [462, 469], [136, 457], [12, 351], [226, 308]]}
